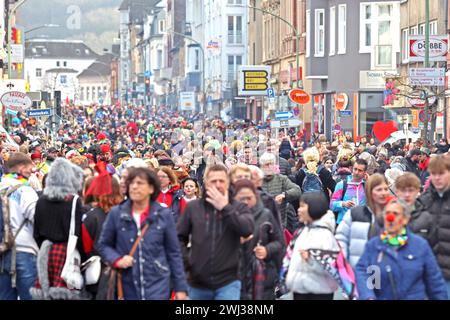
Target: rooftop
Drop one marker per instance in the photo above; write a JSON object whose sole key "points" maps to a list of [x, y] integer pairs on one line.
{"points": [[54, 49]]}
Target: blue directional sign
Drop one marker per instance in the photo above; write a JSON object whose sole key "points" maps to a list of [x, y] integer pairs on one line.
{"points": [[283, 115], [39, 113], [271, 93], [345, 113]]}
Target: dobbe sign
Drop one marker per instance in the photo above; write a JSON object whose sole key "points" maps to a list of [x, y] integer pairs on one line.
{"points": [[438, 48], [16, 101]]}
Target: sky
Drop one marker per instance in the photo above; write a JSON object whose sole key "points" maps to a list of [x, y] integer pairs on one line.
{"points": [[94, 21]]}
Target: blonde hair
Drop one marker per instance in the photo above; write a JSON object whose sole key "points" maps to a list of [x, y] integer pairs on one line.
{"points": [[239, 166], [312, 158], [374, 181]]}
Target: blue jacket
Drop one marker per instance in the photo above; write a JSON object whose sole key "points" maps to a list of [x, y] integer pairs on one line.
{"points": [[415, 272], [158, 255]]}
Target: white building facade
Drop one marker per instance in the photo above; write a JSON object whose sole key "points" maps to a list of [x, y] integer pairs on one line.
{"points": [[53, 65], [225, 42]]}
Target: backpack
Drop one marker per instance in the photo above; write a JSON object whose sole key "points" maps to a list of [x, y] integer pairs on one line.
{"points": [[7, 237], [312, 181]]}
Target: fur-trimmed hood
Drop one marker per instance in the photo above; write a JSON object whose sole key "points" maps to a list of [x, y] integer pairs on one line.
{"points": [[64, 179]]}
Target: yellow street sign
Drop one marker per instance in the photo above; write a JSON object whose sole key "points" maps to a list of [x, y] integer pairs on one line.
{"points": [[255, 86], [255, 74], [255, 80]]}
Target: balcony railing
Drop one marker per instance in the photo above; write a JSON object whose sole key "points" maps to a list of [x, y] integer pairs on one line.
{"points": [[235, 37]]}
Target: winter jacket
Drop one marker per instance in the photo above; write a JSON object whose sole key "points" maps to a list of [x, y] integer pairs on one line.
{"points": [[270, 204], [415, 272], [158, 263], [354, 191], [277, 184], [423, 171], [328, 184], [421, 223], [172, 198], [52, 221], [285, 150], [357, 227], [412, 167], [273, 242], [284, 165], [309, 276], [439, 208], [22, 203], [212, 261]]}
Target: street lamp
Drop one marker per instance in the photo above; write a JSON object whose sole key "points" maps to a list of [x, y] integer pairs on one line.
{"points": [[50, 25], [297, 35]]}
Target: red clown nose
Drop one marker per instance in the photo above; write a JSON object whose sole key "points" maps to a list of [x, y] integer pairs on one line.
{"points": [[390, 217]]}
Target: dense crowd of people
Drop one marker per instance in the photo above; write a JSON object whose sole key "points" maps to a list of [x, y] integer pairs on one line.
{"points": [[164, 205]]}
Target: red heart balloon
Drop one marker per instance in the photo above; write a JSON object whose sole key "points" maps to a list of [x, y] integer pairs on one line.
{"points": [[382, 130]]}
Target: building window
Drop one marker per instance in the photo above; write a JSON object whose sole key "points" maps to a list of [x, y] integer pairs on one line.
{"points": [[197, 60], [342, 29], [234, 1], [82, 93], [57, 63], [319, 36], [93, 93], [233, 63], [63, 79], [159, 58], [422, 29], [332, 31], [433, 28], [308, 33], [38, 72], [414, 31], [405, 46], [65, 63], [235, 29], [161, 26]]}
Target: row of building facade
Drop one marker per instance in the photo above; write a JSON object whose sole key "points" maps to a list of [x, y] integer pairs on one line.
{"points": [[346, 48]]}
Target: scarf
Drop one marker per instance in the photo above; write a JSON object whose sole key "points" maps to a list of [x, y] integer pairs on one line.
{"points": [[18, 177], [398, 240]]}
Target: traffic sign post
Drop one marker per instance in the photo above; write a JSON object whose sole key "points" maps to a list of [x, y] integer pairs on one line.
{"points": [[427, 76]]}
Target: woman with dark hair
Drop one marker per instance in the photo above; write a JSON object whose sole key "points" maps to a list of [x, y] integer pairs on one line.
{"points": [[156, 266], [191, 191], [170, 194], [305, 277], [260, 255]]}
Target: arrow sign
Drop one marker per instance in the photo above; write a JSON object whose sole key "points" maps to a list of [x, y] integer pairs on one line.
{"points": [[284, 115]]}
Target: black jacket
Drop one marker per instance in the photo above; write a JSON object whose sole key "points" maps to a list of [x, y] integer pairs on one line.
{"points": [[273, 242], [212, 261], [439, 208], [412, 167], [421, 223]]}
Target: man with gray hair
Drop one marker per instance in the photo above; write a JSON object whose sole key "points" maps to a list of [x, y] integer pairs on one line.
{"points": [[273, 147], [280, 187]]}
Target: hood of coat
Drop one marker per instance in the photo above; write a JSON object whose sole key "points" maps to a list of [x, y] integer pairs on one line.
{"points": [[328, 221], [64, 179]]}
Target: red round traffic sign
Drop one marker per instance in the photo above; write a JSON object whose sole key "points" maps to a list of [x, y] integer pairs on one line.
{"points": [[299, 96]]}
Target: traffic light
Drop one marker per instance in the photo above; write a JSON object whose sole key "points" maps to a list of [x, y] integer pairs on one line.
{"points": [[14, 35], [147, 86], [58, 103]]}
